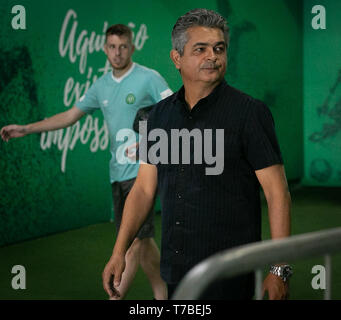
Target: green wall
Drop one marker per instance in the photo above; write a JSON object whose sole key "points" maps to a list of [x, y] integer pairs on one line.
{"points": [[322, 97], [266, 62], [50, 183]]}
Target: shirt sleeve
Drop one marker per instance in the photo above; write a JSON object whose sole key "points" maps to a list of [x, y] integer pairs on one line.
{"points": [[145, 144], [88, 103], [260, 143], [159, 87]]}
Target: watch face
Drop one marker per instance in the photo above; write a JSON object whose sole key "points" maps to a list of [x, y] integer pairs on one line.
{"points": [[287, 271]]}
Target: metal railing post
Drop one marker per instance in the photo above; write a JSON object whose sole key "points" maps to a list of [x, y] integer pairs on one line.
{"points": [[328, 267], [258, 284]]}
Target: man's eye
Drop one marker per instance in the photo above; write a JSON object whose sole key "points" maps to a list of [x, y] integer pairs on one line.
{"points": [[219, 49], [199, 49]]}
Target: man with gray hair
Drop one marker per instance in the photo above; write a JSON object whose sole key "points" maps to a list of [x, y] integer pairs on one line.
{"points": [[204, 214]]}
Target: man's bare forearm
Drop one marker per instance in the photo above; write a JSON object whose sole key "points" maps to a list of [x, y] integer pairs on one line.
{"points": [[136, 209], [58, 121], [279, 215], [276, 191]]}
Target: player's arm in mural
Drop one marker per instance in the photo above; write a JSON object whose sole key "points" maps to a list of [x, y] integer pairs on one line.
{"points": [[58, 121]]}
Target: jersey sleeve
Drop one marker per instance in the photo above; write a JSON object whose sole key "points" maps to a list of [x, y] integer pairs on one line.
{"points": [[88, 103], [159, 87], [260, 143]]}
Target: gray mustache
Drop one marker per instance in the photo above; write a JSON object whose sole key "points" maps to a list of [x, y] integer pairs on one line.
{"points": [[210, 65]]}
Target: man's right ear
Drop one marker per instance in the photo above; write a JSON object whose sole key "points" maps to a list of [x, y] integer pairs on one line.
{"points": [[175, 56]]}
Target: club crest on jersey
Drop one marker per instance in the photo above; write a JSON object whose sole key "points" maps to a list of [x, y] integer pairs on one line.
{"points": [[130, 98]]}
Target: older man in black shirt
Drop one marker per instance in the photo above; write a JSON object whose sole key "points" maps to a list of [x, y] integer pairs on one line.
{"points": [[207, 206]]}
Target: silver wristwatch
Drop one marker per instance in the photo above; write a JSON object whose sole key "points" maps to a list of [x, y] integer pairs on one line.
{"points": [[283, 271]]}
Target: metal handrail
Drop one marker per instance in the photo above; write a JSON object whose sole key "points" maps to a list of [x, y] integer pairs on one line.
{"points": [[254, 256]]}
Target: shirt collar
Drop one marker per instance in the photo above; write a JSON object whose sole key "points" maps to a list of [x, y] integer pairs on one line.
{"points": [[118, 80], [179, 96]]}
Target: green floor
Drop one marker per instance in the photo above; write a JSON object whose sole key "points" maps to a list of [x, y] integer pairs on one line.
{"points": [[69, 265]]}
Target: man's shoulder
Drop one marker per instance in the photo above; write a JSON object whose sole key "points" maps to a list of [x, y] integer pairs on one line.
{"points": [[147, 72], [244, 103], [166, 102], [242, 98], [162, 107]]}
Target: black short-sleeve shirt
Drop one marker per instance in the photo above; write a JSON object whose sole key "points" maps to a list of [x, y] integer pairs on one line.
{"points": [[205, 213]]}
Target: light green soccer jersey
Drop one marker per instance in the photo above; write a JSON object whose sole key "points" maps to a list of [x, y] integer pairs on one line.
{"points": [[120, 99]]}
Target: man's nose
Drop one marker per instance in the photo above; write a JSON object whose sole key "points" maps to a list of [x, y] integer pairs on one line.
{"points": [[117, 52], [211, 54]]}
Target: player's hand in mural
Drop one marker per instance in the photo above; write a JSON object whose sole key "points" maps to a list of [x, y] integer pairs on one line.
{"points": [[13, 131]]}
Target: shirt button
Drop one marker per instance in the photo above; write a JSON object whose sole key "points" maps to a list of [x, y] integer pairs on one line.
{"points": [[176, 251], [177, 223], [182, 169], [179, 196], [190, 117]]}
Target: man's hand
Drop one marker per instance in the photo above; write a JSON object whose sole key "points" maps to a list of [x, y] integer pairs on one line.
{"points": [[277, 289], [131, 151], [112, 275], [12, 131]]}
